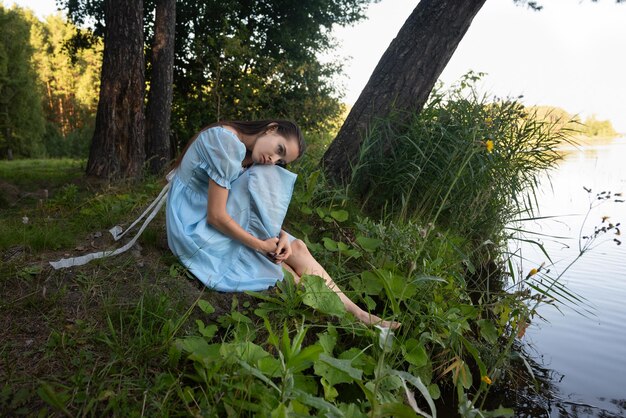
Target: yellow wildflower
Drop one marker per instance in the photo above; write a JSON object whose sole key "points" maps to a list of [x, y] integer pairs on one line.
{"points": [[486, 379], [489, 145], [533, 272]]}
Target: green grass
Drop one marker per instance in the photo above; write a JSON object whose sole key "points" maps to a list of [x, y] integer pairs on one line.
{"points": [[136, 336]]}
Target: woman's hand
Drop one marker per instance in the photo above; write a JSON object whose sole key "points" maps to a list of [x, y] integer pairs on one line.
{"points": [[269, 246], [283, 249]]}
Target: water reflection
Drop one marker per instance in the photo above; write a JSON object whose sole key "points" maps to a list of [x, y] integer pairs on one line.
{"points": [[584, 355]]}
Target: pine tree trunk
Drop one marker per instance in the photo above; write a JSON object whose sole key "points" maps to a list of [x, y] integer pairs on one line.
{"points": [[117, 148], [159, 109], [404, 76]]}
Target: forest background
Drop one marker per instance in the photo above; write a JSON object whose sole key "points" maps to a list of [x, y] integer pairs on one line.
{"points": [[49, 87]]}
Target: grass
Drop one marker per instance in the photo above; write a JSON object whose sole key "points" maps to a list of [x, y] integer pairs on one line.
{"points": [[127, 336], [136, 336]]}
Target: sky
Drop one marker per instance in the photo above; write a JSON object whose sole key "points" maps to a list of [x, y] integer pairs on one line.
{"points": [[571, 54]]}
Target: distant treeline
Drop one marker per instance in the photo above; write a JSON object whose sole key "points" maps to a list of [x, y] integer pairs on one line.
{"points": [[233, 60], [48, 97], [590, 127]]}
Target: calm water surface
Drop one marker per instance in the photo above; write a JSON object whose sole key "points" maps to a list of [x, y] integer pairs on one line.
{"points": [[586, 355]]}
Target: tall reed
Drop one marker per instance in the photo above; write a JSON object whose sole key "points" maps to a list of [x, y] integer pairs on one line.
{"points": [[466, 161]]}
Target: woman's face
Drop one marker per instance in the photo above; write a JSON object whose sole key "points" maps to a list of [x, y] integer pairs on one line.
{"points": [[273, 148]]}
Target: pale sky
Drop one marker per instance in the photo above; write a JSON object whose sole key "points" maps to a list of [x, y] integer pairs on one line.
{"points": [[571, 54]]}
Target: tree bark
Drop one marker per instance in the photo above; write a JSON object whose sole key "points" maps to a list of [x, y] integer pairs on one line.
{"points": [[404, 76], [117, 148], [159, 109]]}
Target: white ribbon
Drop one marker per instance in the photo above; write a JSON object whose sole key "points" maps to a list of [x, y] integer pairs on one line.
{"points": [[118, 232]]}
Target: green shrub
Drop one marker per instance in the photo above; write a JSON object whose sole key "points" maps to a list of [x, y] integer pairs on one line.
{"points": [[464, 161]]}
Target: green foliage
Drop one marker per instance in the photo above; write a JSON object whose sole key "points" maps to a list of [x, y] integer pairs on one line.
{"points": [[47, 98], [68, 86], [21, 115], [467, 163], [246, 60], [292, 350]]}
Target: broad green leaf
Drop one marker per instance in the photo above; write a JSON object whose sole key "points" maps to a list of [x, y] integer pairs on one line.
{"points": [[336, 371], [330, 393], [360, 360], [239, 317], [306, 383], [330, 244], [246, 351], [195, 345], [415, 353], [434, 391], [488, 331], [342, 246], [205, 306], [327, 342], [270, 366], [399, 286], [340, 215], [318, 296], [368, 244], [280, 411], [304, 358], [354, 253], [206, 331], [371, 283]]}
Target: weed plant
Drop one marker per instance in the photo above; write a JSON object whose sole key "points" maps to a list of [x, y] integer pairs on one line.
{"points": [[135, 336], [466, 162]]}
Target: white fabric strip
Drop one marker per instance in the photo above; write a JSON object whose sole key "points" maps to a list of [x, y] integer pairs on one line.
{"points": [[117, 233]]}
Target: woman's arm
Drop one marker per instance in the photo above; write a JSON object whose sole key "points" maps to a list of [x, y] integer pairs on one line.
{"points": [[221, 220]]}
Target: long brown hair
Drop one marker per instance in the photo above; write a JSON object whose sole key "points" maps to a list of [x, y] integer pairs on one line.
{"points": [[284, 127]]}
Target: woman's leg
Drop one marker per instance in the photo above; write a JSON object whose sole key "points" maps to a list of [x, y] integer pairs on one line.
{"points": [[301, 262]]}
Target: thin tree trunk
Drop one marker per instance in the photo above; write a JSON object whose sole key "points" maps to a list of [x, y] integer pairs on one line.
{"points": [[159, 109], [117, 148], [404, 76]]}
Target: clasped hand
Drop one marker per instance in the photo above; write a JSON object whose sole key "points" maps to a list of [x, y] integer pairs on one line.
{"points": [[278, 249]]}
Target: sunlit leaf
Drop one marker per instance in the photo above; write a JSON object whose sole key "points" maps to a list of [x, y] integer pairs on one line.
{"points": [[205, 306], [320, 297], [369, 244], [415, 353], [340, 215], [330, 244]]}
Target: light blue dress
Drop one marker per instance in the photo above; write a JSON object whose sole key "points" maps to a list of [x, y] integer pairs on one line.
{"points": [[258, 200]]}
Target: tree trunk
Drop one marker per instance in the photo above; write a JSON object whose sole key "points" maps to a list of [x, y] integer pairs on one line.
{"points": [[159, 107], [117, 148], [404, 76]]}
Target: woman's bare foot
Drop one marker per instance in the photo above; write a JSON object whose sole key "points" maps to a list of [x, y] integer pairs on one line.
{"points": [[371, 319]]}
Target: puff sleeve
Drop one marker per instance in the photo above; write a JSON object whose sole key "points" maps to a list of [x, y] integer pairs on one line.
{"points": [[219, 155]]}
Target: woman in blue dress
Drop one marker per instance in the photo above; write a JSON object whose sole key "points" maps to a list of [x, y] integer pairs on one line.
{"points": [[226, 205]]}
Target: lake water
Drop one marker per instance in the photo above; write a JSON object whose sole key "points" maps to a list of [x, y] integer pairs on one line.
{"points": [[585, 355]]}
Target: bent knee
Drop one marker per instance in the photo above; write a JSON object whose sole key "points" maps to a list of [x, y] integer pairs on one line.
{"points": [[298, 247]]}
